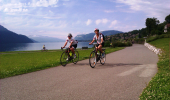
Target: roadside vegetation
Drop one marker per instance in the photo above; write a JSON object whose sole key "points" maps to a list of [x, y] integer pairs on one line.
{"points": [[159, 87], [158, 34], [21, 62], [154, 29]]}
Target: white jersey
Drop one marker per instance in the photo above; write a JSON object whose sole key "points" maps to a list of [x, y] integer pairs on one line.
{"points": [[72, 40], [99, 38]]}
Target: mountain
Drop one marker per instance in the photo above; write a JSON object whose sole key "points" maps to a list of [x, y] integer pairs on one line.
{"points": [[7, 36], [42, 39], [90, 36]]}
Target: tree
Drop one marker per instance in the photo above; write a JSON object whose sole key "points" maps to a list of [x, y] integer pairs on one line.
{"points": [[140, 36], [110, 38], [143, 32], [151, 24], [106, 37], [167, 18]]}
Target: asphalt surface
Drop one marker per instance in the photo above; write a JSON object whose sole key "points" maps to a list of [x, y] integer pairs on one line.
{"points": [[123, 77]]}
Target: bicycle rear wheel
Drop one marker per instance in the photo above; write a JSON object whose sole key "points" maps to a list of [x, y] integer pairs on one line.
{"points": [[64, 59], [76, 59], [103, 59], [92, 59]]}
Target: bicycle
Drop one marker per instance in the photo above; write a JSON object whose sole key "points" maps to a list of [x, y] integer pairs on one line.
{"points": [[44, 50], [67, 56], [95, 57]]}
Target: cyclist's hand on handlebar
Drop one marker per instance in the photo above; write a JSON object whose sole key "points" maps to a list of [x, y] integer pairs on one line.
{"points": [[90, 43]]}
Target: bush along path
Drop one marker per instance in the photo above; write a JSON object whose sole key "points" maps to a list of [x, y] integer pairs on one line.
{"points": [[159, 87]]}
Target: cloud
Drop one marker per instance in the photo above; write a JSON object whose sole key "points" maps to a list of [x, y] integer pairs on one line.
{"points": [[89, 21], [8, 10], [16, 6], [135, 4], [98, 21], [119, 6], [52, 17], [113, 23], [13, 7], [44, 3], [109, 11], [103, 21], [51, 12], [153, 8]]}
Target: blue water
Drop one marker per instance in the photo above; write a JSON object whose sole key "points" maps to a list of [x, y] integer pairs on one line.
{"points": [[37, 46]]}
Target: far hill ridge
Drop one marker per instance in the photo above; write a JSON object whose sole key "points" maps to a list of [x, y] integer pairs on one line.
{"points": [[7, 36]]}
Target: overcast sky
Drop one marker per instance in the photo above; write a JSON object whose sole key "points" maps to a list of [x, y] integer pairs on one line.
{"points": [[57, 18]]}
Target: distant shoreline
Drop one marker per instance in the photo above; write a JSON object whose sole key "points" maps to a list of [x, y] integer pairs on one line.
{"points": [[38, 46]]}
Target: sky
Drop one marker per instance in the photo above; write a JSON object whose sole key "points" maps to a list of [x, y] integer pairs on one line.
{"points": [[57, 18]]}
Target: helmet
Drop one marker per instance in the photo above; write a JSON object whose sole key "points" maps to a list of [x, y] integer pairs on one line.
{"points": [[96, 29], [69, 35]]}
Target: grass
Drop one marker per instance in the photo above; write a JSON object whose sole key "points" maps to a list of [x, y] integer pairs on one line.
{"points": [[159, 87], [17, 63]]}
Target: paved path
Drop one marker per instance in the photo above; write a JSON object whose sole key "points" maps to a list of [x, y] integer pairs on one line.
{"points": [[123, 77]]}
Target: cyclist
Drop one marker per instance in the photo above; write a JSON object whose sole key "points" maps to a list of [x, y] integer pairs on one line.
{"points": [[100, 42], [43, 47], [73, 44]]}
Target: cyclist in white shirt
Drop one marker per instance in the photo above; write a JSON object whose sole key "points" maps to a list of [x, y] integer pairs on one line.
{"points": [[73, 43], [100, 42]]}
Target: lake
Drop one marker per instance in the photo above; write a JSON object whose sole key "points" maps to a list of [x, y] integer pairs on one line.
{"points": [[38, 46]]}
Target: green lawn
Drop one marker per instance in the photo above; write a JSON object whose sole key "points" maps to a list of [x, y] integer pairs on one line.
{"points": [[16, 63], [159, 87]]}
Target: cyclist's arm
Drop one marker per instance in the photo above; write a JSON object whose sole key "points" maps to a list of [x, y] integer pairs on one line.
{"points": [[91, 42], [71, 44], [65, 44], [101, 40]]}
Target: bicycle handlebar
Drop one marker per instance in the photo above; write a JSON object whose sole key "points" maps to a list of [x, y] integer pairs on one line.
{"points": [[64, 47], [93, 44]]}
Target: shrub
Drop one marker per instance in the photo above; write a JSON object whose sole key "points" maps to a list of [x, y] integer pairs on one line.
{"points": [[120, 44], [158, 37], [140, 41], [107, 44], [129, 43]]}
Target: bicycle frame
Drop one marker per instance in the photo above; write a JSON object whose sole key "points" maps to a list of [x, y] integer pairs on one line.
{"points": [[68, 51], [73, 58], [97, 55]]}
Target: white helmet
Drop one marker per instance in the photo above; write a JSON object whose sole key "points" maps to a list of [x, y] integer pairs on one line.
{"points": [[96, 29], [69, 35]]}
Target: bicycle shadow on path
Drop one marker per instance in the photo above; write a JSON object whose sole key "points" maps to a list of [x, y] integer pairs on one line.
{"points": [[108, 65]]}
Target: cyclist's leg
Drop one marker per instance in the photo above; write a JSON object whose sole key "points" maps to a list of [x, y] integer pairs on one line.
{"points": [[100, 48], [72, 49], [97, 47]]}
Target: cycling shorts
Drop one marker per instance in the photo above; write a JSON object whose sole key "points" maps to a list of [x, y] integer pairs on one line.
{"points": [[74, 46], [101, 44]]}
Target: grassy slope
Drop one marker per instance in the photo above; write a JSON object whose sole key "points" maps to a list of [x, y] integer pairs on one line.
{"points": [[159, 87], [16, 63]]}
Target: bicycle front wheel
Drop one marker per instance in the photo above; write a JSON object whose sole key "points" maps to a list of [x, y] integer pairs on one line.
{"points": [[103, 59], [76, 57], [92, 59], [64, 59]]}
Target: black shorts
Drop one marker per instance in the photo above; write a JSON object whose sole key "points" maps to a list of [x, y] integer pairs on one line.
{"points": [[101, 44], [74, 45]]}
